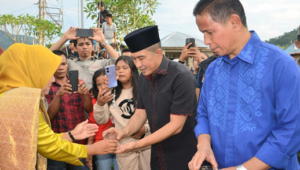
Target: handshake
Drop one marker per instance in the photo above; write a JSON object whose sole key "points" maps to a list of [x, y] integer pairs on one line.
{"points": [[113, 134], [109, 144]]}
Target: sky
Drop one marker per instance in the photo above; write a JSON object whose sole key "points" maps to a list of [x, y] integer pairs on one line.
{"points": [[269, 18]]}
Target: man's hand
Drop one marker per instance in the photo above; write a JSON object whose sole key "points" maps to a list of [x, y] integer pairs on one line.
{"points": [[203, 153], [194, 53], [185, 52], [126, 147], [82, 89], [65, 88], [104, 147], [84, 130], [89, 162], [120, 133], [98, 35], [71, 33], [139, 134], [104, 97]]}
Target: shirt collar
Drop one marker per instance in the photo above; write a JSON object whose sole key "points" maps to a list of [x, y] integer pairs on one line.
{"points": [[55, 83], [162, 69], [91, 58], [249, 51]]}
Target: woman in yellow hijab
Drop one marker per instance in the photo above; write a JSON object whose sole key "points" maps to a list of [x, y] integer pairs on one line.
{"points": [[26, 139]]}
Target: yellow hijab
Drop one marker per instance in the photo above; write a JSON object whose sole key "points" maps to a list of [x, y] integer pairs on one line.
{"points": [[27, 66]]}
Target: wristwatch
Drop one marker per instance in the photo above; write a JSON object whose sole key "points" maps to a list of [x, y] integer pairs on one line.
{"points": [[182, 62], [104, 43], [241, 167]]}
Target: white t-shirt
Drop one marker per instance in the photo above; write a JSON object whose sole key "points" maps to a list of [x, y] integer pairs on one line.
{"points": [[109, 31]]}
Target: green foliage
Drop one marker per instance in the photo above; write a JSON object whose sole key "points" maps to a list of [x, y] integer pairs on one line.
{"points": [[128, 15], [12, 26], [284, 40]]}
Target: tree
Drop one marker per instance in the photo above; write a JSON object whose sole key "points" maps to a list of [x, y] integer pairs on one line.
{"points": [[128, 15], [13, 26]]}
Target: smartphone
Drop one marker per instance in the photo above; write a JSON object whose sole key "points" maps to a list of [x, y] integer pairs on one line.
{"points": [[84, 33], [111, 76], [190, 40], [73, 77]]}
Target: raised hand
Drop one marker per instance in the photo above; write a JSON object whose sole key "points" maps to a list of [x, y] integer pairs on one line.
{"points": [[70, 34], [185, 52], [104, 97], [98, 35], [84, 130], [194, 53], [82, 88], [65, 88]]}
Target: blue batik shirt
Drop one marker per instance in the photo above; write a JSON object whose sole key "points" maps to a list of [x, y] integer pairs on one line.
{"points": [[250, 106]]}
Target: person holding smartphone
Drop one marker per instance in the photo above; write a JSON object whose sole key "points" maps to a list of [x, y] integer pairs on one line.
{"points": [[84, 45], [66, 107], [121, 109]]}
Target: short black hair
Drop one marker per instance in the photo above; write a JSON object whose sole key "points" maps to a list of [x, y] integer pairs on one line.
{"points": [[75, 42], [298, 38], [125, 50], [100, 72], [221, 10], [113, 45], [71, 41], [100, 3], [109, 15], [154, 47], [59, 52]]}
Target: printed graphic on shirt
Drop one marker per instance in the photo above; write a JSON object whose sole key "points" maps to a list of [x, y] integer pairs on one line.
{"points": [[127, 108]]}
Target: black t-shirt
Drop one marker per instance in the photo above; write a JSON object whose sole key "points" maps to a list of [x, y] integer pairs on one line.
{"points": [[75, 54], [202, 69], [103, 15], [171, 91]]}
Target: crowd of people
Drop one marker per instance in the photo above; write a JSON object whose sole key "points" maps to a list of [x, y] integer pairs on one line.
{"points": [[237, 110]]}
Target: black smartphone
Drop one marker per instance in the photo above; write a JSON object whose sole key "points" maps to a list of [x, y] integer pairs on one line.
{"points": [[190, 40], [84, 33], [73, 77]]}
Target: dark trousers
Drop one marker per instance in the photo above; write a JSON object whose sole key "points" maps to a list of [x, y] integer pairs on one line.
{"points": [[57, 165]]}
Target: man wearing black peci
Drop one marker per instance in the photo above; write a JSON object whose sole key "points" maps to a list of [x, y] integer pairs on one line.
{"points": [[166, 97]]}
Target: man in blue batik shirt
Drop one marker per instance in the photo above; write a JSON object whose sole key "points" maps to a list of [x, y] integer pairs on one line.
{"points": [[248, 113]]}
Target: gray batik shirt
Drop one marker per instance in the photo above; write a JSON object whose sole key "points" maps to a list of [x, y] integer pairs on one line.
{"points": [[87, 68]]}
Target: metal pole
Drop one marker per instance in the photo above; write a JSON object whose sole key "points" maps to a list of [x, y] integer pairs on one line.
{"points": [[44, 15], [40, 16], [40, 9], [44, 9], [82, 14], [78, 13], [62, 20]]}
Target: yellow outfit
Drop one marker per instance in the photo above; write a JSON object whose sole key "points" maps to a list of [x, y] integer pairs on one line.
{"points": [[25, 126]]}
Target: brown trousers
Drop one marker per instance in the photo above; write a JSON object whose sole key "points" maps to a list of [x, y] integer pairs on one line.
{"points": [[135, 160]]}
